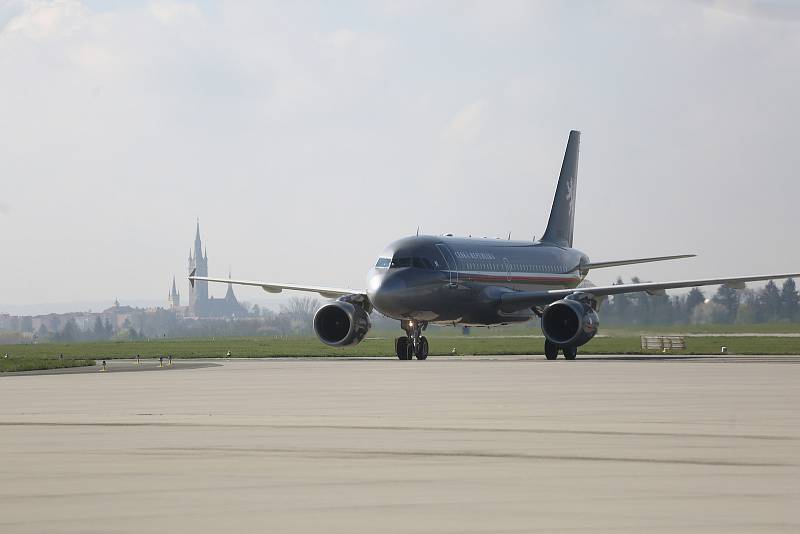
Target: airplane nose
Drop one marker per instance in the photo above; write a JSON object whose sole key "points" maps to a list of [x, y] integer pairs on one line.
{"points": [[387, 292]]}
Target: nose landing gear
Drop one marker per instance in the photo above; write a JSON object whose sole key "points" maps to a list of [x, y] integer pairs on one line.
{"points": [[414, 343]]}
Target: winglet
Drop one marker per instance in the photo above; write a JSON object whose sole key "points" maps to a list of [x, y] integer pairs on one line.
{"points": [[191, 277]]}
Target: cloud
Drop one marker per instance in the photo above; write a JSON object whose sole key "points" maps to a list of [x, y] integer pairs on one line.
{"points": [[167, 12], [251, 114], [44, 20], [782, 11], [342, 38], [467, 123]]}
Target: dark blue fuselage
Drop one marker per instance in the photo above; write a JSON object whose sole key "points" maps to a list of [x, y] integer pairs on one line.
{"points": [[459, 280]]}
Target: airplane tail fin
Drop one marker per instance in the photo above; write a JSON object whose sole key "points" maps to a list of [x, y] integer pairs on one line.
{"points": [[562, 215]]}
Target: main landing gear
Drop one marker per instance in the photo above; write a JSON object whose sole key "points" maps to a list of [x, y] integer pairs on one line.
{"points": [[551, 351], [413, 343]]}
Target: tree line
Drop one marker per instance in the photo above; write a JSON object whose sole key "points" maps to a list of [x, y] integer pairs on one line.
{"points": [[293, 318], [725, 306]]}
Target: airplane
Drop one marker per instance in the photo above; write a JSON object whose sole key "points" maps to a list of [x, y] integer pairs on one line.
{"points": [[423, 279]]}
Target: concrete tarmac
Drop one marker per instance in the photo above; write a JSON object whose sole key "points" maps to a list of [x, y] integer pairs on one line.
{"points": [[445, 445]]}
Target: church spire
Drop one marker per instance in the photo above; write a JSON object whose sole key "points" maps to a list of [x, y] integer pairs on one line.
{"points": [[198, 245], [174, 298], [229, 296]]}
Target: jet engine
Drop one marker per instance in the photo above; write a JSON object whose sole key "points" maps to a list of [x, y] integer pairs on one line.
{"points": [[341, 323], [572, 321]]}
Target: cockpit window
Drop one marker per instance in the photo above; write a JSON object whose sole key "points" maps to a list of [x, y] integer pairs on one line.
{"points": [[422, 263], [398, 262], [383, 263]]}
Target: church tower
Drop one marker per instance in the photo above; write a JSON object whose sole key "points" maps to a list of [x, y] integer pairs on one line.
{"points": [[174, 298], [198, 295], [200, 304]]}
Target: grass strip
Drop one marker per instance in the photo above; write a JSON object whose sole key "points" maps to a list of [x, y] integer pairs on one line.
{"points": [[261, 347], [35, 363]]}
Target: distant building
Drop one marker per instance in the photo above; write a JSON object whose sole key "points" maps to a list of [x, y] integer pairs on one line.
{"points": [[9, 323], [174, 298], [200, 304], [120, 316]]}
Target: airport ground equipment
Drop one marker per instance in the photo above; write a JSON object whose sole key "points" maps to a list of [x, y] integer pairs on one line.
{"points": [[663, 343]]}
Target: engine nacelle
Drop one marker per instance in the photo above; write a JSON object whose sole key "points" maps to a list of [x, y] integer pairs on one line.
{"points": [[341, 323], [571, 322]]}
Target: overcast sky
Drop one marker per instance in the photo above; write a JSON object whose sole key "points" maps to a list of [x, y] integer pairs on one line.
{"points": [[307, 136]]}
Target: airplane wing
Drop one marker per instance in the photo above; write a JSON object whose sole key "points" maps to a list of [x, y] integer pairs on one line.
{"points": [[519, 300], [603, 264], [276, 287]]}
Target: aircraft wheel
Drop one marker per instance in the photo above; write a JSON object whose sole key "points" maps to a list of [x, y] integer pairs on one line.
{"points": [[402, 348], [422, 348], [550, 350], [570, 353]]}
